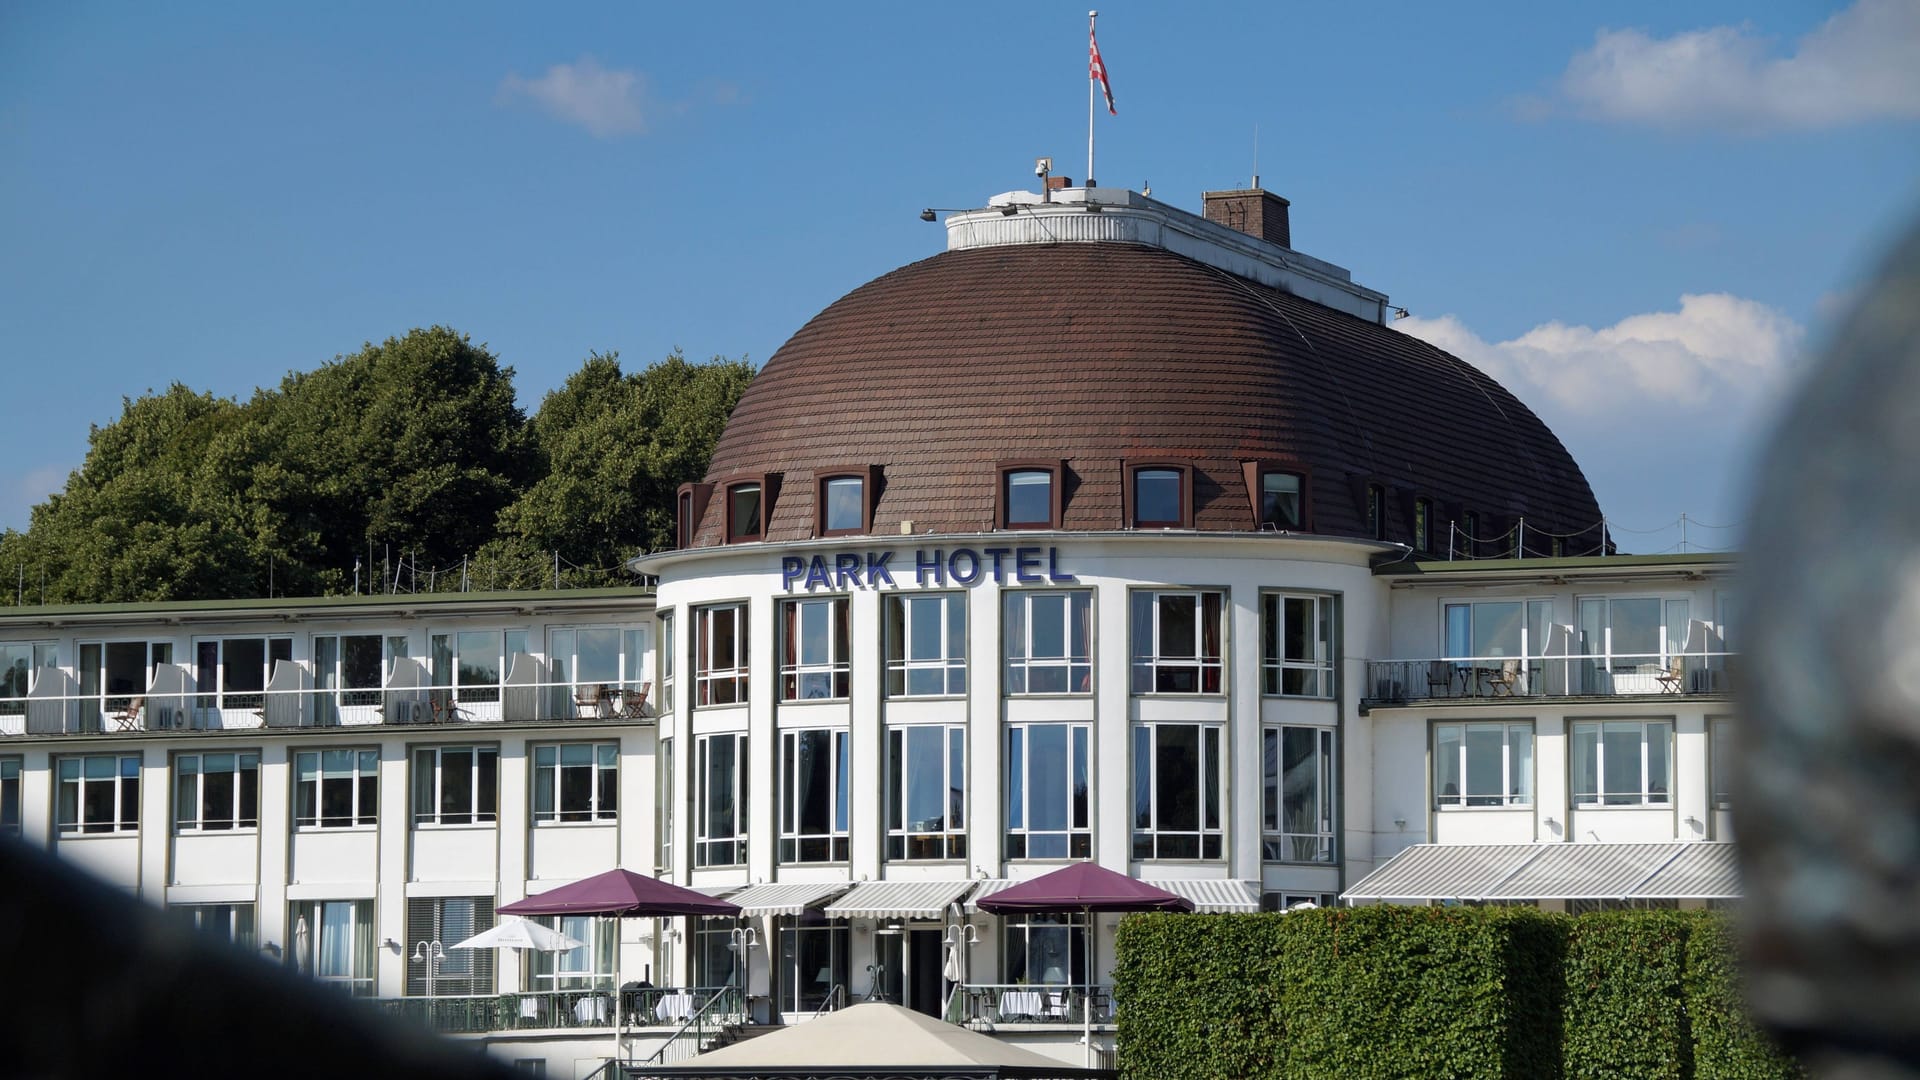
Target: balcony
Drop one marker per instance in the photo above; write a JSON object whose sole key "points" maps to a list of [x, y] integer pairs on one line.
{"points": [[664, 1007], [1494, 678]]}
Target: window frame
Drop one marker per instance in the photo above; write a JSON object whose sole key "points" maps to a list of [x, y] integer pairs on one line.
{"points": [[707, 679], [11, 821], [711, 849], [448, 673], [798, 845], [868, 476], [274, 647], [630, 660], [1150, 669], [602, 792], [97, 698], [1209, 782], [690, 505], [1422, 525], [362, 973], [236, 819], [904, 841], [797, 675], [899, 625], [236, 923], [1376, 511], [1130, 494], [1017, 947], [1276, 843], [667, 661], [427, 923], [599, 936], [1317, 676], [1720, 737], [364, 786], [75, 816], [23, 662], [1078, 667], [1253, 474], [429, 782], [1076, 838], [1603, 799], [1002, 503], [731, 533], [1518, 783]]}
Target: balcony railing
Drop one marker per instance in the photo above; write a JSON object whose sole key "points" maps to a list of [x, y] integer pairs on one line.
{"points": [[977, 1004], [665, 1007], [1480, 678], [54, 707]]}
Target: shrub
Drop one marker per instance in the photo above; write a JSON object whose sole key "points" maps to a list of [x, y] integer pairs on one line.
{"points": [[1625, 1010], [1726, 1044]]}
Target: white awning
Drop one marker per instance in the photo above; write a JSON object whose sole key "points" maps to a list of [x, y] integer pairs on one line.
{"points": [[987, 888], [1213, 895], [1662, 871], [898, 900], [785, 897]]}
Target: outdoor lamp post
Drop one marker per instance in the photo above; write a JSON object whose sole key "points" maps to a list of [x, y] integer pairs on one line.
{"points": [[745, 940], [431, 954]]}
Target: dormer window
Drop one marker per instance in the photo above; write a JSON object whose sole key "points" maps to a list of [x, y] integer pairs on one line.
{"points": [[1422, 526], [844, 498], [690, 505], [744, 513], [1159, 496], [1030, 496], [1376, 511], [1280, 501]]}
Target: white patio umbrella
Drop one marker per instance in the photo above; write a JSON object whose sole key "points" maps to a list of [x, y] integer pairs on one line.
{"points": [[514, 933]]}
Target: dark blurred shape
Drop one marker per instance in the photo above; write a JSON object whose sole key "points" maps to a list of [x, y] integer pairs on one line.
{"points": [[96, 983], [1828, 811]]}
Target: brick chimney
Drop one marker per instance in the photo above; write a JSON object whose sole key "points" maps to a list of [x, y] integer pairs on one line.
{"points": [[1253, 211]]}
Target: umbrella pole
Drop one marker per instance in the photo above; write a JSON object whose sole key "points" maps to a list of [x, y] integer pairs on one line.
{"points": [[1086, 999], [617, 995]]}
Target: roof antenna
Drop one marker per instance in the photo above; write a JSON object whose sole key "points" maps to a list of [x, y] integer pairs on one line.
{"points": [[1256, 157]]}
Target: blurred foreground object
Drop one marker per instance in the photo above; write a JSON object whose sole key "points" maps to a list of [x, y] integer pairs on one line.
{"points": [[96, 983], [1828, 812]]}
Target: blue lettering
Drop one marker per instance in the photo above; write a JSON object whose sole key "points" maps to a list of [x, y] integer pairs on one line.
{"points": [[817, 572], [1053, 568], [1026, 566], [790, 570], [922, 565], [972, 573], [846, 567], [999, 571], [877, 569]]}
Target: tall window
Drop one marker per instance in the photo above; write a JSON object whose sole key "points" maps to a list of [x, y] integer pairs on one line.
{"points": [[339, 937], [1049, 639], [1499, 643], [216, 791], [576, 782], [99, 793], [587, 967], [1027, 498], [1280, 506], [843, 505], [683, 520], [1623, 763], [9, 796], [471, 663], [1048, 816], [113, 673], [1483, 764], [1296, 645], [665, 786], [231, 923], [926, 644], [743, 513], [927, 792], [1422, 526], [813, 960], [1177, 772], [1376, 511], [714, 954], [20, 664], [813, 796], [1719, 764], [1296, 794], [232, 673], [814, 646], [1176, 642], [1159, 498], [1622, 637], [720, 655], [456, 785], [1045, 950], [336, 789], [720, 800], [600, 658], [669, 661], [347, 670], [1470, 538], [447, 920]]}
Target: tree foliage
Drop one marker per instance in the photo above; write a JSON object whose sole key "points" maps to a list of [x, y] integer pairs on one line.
{"points": [[412, 451]]}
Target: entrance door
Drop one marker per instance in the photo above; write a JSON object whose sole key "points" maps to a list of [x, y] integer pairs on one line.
{"points": [[910, 968]]}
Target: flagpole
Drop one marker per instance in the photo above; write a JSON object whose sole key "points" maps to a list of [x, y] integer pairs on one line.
{"points": [[1091, 16]]}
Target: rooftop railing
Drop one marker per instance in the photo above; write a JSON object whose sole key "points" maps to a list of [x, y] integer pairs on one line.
{"points": [[1482, 678]]}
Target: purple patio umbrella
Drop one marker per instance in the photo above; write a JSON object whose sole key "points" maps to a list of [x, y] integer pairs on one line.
{"points": [[621, 894], [1084, 887]]}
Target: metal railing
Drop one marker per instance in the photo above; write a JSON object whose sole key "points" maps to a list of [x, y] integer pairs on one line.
{"points": [[1023, 1003], [1479, 678], [717, 1011], [665, 1006]]}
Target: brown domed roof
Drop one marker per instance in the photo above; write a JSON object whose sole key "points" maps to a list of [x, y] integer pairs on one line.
{"points": [[1099, 353]]}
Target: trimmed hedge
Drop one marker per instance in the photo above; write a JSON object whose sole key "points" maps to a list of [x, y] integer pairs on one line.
{"points": [[1435, 991]]}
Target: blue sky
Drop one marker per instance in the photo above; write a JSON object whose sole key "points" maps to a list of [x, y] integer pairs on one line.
{"points": [[1641, 219]]}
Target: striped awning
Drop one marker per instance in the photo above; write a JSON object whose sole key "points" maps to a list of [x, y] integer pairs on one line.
{"points": [[786, 897], [987, 888], [718, 892], [1213, 895], [898, 900], [1662, 871]]}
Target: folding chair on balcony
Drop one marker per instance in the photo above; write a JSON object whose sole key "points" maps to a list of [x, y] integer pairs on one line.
{"points": [[1502, 680], [1441, 673], [1673, 680], [633, 703], [594, 703], [127, 717]]}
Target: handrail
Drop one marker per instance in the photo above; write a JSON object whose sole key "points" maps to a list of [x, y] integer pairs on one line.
{"points": [[835, 1000], [698, 1024]]}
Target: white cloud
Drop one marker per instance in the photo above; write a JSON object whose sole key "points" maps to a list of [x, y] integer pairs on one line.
{"points": [[607, 103], [1861, 64], [1717, 349]]}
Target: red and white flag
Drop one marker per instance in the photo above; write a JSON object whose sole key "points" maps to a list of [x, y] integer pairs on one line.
{"points": [[1097, 69]]}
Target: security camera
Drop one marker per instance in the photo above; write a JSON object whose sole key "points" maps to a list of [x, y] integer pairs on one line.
{"points": [[1042, 166]]}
